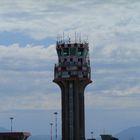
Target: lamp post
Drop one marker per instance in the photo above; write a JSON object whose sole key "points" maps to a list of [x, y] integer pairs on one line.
{"points": [[51, 124], [11, 118], [92, 135], [55, 113]]}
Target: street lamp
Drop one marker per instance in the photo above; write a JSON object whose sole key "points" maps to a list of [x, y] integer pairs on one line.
{"points": [[51, 124], [55, 113], [11, 118], [92, 135]]}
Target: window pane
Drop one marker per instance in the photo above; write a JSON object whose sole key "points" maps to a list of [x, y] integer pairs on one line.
{"points": [[59, 52], [72, 51], [80, 51], [65, 51]]}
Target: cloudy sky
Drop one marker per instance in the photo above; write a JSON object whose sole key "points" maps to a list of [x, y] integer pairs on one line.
{"points": [[28, 31]]}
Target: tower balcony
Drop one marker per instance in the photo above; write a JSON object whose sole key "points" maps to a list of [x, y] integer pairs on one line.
{"points": [[69, 72]]}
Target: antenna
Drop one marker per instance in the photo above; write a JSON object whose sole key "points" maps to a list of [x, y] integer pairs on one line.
{"points": [[80, 37], [75, 37], [63, 36], [68, 38]]}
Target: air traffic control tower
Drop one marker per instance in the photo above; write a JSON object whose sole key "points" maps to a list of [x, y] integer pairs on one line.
{"points": [[72, 74]]}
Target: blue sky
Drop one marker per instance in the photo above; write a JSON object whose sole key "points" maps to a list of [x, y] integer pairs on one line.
{"points": [[28, 30]]}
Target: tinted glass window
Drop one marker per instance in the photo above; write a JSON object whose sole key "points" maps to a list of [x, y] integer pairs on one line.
{"points": [[72, 51], [65, 51], [80, 51], [59, 52]]}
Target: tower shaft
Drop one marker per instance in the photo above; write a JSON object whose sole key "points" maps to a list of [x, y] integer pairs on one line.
{"points": [[73, 116]]}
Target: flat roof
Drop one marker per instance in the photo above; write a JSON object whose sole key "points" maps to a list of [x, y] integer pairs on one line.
{"points": [[15, 134]]}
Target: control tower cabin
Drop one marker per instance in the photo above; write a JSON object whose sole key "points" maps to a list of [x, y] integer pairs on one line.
{"points": [[72, 74]]}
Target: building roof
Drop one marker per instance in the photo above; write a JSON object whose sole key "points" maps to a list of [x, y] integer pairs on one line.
{"points": [[14, 135], [108, 137]]}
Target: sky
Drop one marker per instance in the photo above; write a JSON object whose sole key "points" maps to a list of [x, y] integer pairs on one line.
{"points": [[28, 33]]}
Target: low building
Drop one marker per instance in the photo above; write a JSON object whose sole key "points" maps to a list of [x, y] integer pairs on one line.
{"points": [[14, 135], [108, 137]]}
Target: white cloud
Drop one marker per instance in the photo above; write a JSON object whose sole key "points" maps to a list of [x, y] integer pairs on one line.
{"points": [[30, 52], [114, 99], [30, 102], [40, 18], [27, 73]]}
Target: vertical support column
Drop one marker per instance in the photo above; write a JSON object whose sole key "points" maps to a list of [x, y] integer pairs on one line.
{"points": [[82, 112], [64, 106], [71, 111]]}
